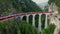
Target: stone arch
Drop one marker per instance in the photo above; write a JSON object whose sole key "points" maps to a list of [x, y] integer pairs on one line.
{"points": [[43, 16], [36, 20], [30, 19], [24, 18]]}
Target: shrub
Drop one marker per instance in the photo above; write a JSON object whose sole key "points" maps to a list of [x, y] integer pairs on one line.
{"points": [[49, 29], [27, 28], [59, 32], [14, 26]]}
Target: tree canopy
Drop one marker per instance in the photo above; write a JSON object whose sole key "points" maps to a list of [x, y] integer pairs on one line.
{"points": [[12, 26], [18, 6]]}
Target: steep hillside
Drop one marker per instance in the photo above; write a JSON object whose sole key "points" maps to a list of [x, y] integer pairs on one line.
{"points": [[17, 6]]}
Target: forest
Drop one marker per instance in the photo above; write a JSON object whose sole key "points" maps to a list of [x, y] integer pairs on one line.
{"points": [[15, 26]]}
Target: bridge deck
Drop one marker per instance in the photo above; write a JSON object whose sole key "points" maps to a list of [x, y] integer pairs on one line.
{"points": [[11, 16]]}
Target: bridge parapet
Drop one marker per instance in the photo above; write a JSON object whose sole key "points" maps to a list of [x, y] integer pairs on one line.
{"points": [[22, 14]]}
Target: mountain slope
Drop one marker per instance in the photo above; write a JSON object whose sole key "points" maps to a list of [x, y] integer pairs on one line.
{"points": [[17, 6]]}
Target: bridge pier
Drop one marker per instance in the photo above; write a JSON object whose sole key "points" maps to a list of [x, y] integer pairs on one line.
{"points": [[21, 17], [46, 24], [27, 18], [39, 24], [33, 20]]}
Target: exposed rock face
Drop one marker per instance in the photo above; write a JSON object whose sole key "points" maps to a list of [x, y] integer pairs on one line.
{"points": [[55, 18]]}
